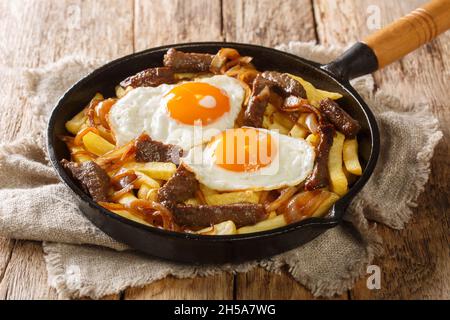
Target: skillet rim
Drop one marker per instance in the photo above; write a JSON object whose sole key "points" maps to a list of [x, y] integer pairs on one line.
{"points": [[338, 208]]}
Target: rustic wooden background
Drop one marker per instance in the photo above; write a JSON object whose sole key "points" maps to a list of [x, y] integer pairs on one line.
{"points": [[37, 32]]}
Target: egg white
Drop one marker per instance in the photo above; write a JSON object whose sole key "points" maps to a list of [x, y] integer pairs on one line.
{"points": [[144, 109], [292, 164]]}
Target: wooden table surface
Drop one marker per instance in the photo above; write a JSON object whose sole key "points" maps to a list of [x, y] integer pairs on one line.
{"points": [[37, 32]]}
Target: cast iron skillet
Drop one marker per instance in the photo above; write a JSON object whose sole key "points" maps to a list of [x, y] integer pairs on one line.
{"points": [[358, 60]]}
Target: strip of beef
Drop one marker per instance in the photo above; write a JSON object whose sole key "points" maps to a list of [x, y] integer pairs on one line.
{"points": [[242, 214], [284, 84], [179, 188], [148, 150], [187, 62], [341, 119], [264, 87], [152, 77], [93, 179], [319, 177], [254, 113]]}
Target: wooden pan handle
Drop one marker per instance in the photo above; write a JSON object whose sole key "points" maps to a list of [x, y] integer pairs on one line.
{"points": [[410, 32]]}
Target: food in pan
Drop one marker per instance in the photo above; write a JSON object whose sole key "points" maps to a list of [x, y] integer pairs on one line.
{"points": [[208, 144]]}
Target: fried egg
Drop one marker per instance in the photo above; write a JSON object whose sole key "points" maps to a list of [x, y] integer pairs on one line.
{"points": [[249, 158], [174, 114]]}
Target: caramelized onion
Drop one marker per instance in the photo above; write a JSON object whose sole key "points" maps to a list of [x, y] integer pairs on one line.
{"points": [[284, 196], [118, 194], [311, 123], [303, 205], [102, 109], [123, 179]]}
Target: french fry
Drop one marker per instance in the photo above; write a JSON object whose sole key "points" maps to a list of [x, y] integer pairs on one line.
{"points": [[127, 198], [143, 191], [326, 205], [121, 92], [220, 229], [268, 224], [232, 197], [351, 178], [96, 144], [298, 132], [152, 195], [145, 179], [313, 94], [351, 159], [270, 124], [283, 120], [270, 109], [74, 125], [192, 202], [207, 191], [328, 94], [338, 179], [271, 215], [79, 154], [128, 215], [155, 170], [313, 139]]}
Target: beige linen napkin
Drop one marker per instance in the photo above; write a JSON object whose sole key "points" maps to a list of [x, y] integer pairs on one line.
{"points": [[83, 261]]}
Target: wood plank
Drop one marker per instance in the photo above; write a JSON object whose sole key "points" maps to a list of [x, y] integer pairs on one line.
{"points": [[49, 30], [26, 276], [268, 22], [218, 287], [417, 263], [162, 22], [260, 284], [259, 22]]}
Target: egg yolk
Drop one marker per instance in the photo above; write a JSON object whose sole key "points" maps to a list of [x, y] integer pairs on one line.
{"points": [[197, 103], [244, 149]]}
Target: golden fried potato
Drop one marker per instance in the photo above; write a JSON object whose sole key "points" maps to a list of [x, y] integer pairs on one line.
{"points": [[313, 139], [127, 199], [338, 180], [313, 94], [192, 202], [207, 191], [298, 132], [155, 170], [283, 120], [268, 224], [351, 159], [74, 125], [220, 229], [121, 92], [79, 154], [96, 144], [145, 179], [326, 205], [128, 215], [232, 197]]}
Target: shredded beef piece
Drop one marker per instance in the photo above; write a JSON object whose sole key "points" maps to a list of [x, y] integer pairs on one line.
{"points": [[274, 86], [254, 113], [341, 119], [148, 150], [319, 176], [93, 179], [180, 187], [241, 214], [187, 62], [284, 84], [152, 77]]}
